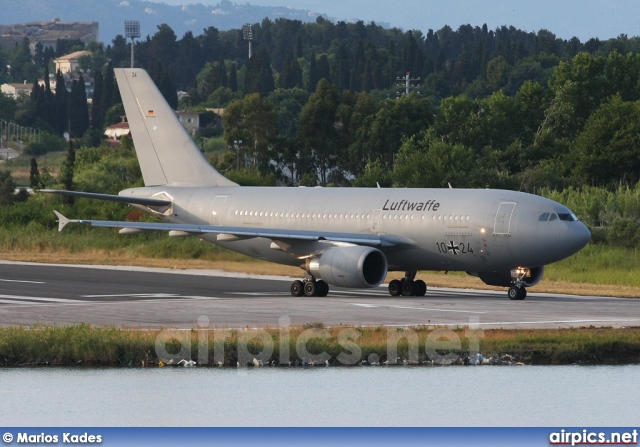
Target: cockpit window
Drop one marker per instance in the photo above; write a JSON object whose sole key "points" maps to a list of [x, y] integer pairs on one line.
{"points": [[569, 217], [553, 217], [543, 217]]}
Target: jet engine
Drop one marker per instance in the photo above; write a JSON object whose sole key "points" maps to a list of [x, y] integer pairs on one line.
{"points": [[527, 276], [352, 266]]}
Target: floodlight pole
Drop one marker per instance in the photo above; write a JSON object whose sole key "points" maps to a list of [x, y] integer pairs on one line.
{"points": [[406, 83], [247, 34], [132, 31]]}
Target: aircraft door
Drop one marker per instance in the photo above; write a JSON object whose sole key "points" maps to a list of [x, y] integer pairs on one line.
{"points": [[502, 225], [217, 209], [375, 222]]}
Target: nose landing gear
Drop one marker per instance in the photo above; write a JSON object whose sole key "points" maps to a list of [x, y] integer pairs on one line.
{"points": [[517, 292]]}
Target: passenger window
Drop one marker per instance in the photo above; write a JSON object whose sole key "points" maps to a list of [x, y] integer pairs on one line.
{"points": [[554, 216], [543, 217]]}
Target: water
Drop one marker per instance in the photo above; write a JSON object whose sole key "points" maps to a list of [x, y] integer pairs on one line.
{"points": [[359, 396]]}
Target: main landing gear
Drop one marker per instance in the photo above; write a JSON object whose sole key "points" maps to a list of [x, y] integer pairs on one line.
{"points": [[407, 286], [309, 287]]}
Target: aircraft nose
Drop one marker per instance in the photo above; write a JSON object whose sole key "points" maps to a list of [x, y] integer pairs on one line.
{"points": [[578, 236]]}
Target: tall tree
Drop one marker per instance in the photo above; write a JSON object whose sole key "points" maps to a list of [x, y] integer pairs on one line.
{"points": [[313, 73], [259, 76], [34, 174], [291, 75], [97, 109], [67, 171], [78, 108], [317, 130], [61, 104]]}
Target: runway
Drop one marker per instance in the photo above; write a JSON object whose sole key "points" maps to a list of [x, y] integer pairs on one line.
{"points": [[149, 297]]}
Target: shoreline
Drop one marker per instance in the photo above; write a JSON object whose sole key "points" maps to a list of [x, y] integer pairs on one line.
{"points": [[315, 345]]}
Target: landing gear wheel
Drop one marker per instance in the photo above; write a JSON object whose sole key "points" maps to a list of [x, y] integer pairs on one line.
{"points": [[297, 288], [395, 287], [408, 288], [310, 288], [420, 287], [517, 293], [322, 288]]}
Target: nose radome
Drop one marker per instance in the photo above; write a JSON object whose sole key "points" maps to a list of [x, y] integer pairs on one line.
{"points": [[578, 236]]}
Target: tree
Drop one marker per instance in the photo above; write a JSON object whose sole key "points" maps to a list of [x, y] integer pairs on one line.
{"points": [[66, 171], [291, 75], [259, 77], [78, 108], [313, 73], [7, 188], [97, 109], [607, 151], [430, 163], [395, 120], [317, 131], [252, 122], [324, 70], [34, 174], [165, 80], [233, 77]]}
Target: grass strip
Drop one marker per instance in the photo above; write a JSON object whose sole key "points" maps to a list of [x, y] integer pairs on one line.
{"points": [[314, 344]]}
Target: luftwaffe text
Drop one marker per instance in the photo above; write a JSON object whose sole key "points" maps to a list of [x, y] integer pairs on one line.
{"points": [[405, 205]]}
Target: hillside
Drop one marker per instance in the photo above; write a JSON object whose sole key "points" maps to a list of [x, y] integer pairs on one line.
{"points": [[111, 15]]}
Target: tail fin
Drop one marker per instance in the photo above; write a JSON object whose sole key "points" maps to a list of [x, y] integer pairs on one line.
{"points": [[166, 152]]}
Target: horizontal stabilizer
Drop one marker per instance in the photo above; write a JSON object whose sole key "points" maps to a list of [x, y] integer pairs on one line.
{"points": [[113, 198], [62, 221]]}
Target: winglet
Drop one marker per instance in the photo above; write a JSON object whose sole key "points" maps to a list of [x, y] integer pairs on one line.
{"points": [[62, 221]]}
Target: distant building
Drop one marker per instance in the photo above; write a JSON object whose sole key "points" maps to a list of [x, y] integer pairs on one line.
{"points": [[116, 131], [48, 33], [69, 63], [15, 90], [190, 120]]}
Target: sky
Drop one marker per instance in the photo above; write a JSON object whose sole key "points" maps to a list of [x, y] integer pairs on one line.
{"points": [[566, 18]]}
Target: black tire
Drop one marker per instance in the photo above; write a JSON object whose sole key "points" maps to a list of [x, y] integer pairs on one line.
{"points": [[523, 293], [514, 293], [395, 287], [297, 288], [310, 288], [420, 287], [322, 288], [408, 288]]}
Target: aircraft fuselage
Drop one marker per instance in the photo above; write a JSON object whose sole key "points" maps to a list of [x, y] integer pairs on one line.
{"points": [[449, 229]]}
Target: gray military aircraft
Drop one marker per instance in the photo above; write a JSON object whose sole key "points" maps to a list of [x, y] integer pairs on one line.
{"points": [[348, 237]]}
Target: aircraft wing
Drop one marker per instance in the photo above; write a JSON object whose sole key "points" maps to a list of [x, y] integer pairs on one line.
{"points": [[275, 234]]}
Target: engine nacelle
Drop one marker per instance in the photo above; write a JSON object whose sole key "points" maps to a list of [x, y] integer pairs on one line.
{"points": [[529, 277], [352, 266]]}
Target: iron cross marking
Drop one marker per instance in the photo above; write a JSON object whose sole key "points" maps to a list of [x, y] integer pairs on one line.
{"points": [[453, 247]]}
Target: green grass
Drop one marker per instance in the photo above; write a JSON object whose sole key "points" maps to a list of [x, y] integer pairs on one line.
{"points": [[108, 346], [33, 238], [598, 264]]}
